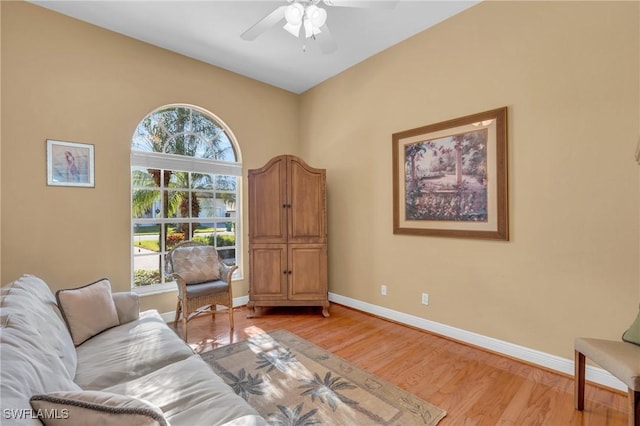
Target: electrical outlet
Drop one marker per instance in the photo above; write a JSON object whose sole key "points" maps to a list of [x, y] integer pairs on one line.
{"points": [[383, 290], [425, 298]]}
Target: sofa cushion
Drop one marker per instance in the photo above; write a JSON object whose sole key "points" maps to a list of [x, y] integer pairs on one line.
{"points": [[632, 335], [96, 408], [196, 264], [189, 394], [37, 354], [127, 305], [128, 351], [88, 310], [205, 289]]}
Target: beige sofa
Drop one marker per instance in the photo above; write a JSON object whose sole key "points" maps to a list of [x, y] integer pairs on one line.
{"points": [[136, 372]]}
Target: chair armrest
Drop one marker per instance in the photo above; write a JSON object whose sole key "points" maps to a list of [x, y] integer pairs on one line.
{"points": [[127, 305], [226, 272], [182, 284]]}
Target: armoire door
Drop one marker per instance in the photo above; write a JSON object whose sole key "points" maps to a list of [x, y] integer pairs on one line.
{"points": [[308, 266], [269, 272], [268, 203], [306, 195]]}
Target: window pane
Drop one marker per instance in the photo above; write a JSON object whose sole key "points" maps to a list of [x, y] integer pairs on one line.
{"points": [[225, 183], [204, 233], [177, 204], [145, 203], [149, 136], [226, 239], [223, 148], [176, 179], [176, 233], [228, 256], [174, 119], [205, 205], [146, 238], [227, 202], [202, 181], [205, 126], [146, 178], [216, 140], [189, 146], [146, 270]]}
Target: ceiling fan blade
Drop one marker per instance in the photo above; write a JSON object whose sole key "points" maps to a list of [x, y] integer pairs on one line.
{"points": [[264, 24], [362, 3], [326, 41]]}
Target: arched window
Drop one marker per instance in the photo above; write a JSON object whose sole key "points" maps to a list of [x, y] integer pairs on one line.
{"points": [[185, 181]]}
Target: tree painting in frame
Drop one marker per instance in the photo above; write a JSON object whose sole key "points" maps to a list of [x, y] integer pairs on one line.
{"points": [[450, 178], [70, 164]]}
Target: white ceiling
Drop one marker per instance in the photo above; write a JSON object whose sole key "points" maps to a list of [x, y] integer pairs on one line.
{"points": [[210, 31]]}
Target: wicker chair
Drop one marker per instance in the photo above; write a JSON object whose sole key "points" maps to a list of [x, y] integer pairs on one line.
{"points": [[204, 281]]}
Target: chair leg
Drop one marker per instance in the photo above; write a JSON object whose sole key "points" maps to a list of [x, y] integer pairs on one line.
{"points": [[579, 380], [184, 327], [178, 309], [231, 316], [634, 408]]}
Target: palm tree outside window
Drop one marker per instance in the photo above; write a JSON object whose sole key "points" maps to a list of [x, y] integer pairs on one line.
{"points": [[185, 180]]}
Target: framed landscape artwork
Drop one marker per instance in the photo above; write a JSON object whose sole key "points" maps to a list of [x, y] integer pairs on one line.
{"points": [[450, 178], [70, 164]]}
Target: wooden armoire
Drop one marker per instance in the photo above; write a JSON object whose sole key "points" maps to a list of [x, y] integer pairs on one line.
{"points": [[287, 235]]}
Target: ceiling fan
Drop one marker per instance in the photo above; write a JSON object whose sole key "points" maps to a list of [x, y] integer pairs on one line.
{"points": [[307, 15]]}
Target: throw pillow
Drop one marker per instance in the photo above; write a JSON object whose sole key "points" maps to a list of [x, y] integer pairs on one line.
{"points": [[632, 335], [88, 310], [95, 408], [196, 264]]}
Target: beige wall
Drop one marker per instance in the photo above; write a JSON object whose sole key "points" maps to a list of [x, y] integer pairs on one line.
{"points": [[68, 80], [568, 72], [571, 85]]}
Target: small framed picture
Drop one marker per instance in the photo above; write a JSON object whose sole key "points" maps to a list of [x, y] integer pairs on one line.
{"points": [[70, 164]]}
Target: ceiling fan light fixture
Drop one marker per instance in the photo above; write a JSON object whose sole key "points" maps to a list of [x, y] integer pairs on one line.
{"points": [[317, 15], [309, 31], [314, 18], [292, 29], [294, 14]]}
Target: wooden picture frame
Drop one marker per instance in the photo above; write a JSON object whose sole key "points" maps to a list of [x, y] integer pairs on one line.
{"points": [[70, 164], [450, 178]]}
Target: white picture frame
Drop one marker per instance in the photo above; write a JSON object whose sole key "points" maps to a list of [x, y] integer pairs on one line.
{"points": [[70, 164]]}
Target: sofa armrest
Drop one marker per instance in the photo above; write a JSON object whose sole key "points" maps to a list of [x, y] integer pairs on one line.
{"points": [[128, 306]]}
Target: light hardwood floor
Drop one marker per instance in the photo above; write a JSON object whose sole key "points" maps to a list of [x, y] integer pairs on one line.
{"points": [[474, 386]]}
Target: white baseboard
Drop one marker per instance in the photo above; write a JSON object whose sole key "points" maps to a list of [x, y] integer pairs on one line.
{"points": [[552, 362], [240, 301], [543, 359]]}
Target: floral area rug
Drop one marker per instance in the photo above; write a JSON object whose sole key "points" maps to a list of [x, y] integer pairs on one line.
{"points": [[291, 381]]}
